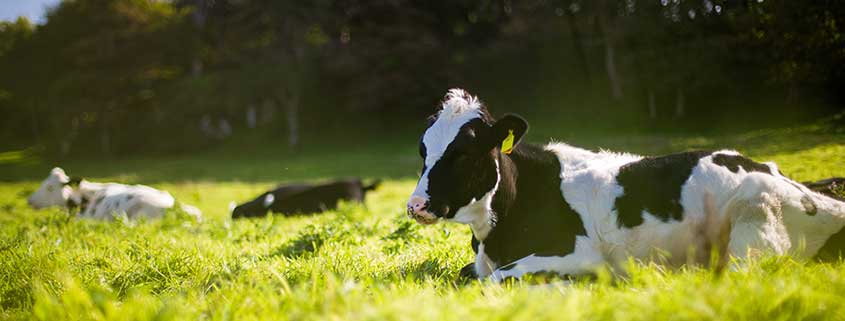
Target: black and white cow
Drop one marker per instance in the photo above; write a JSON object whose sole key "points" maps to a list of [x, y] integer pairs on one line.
{"points": [[302, 198], [103, 200], [562, 209]]}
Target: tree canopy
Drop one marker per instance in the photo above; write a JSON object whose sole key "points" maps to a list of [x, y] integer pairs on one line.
{"points": [[111, 75]]}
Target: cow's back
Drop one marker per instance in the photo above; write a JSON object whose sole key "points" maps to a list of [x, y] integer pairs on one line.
{"points": [[635, 206], [135, 201], [317, 198]]}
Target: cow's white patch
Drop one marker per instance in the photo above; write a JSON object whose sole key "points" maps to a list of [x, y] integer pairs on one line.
{"points": [[483, 265], [105, 200], [728, 152], [269, 199], [458, 109], [479, 213], [53, 190], [573, 159]]}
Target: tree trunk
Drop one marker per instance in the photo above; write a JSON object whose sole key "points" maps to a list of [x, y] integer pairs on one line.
{"points": [[199, 23], [652, 106], [36, 132], [105, 139], [680, 108], [606, 26], [612, 75], [292, 115], [578, 45], [251, 117]]}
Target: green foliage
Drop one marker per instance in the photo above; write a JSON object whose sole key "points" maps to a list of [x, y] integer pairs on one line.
{"points": [[109, 76]]}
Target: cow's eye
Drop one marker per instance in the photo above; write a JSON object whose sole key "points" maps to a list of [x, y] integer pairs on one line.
{"points": [[49, 188]]}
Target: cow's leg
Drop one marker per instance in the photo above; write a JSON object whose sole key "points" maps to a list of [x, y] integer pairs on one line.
{"points": [[584, 259], [776, 216], [757, 227], [756, 214]]}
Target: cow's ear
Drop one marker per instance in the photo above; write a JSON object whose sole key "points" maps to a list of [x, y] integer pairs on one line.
{"points": [[74, 181], [508, 132]]}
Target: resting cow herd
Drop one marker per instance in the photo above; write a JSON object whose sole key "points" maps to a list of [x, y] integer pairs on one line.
{"points": [[550, 208], [108, 200]]}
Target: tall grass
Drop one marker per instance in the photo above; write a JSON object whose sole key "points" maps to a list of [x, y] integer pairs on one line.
{"points": [[368, 262]]}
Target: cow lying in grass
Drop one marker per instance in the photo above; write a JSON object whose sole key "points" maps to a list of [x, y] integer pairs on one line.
{"points": [[562, 209], [103, 200], [304, 198]]}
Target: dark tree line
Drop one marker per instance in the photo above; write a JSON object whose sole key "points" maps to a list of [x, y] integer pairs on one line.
{"points": [[114, 76]]}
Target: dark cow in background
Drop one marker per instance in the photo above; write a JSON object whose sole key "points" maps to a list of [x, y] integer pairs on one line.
{"points": [[562, 209], [304, 198], [833, 187]]}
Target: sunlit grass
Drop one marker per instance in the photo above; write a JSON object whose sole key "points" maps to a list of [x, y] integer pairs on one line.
{"points": [[364, 262]]}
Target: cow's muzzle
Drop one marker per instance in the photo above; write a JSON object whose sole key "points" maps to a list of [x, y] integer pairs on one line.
{"points": [[418, 210]]}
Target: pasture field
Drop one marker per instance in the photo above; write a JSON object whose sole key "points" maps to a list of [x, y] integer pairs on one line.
{"points": [[362, 262]]}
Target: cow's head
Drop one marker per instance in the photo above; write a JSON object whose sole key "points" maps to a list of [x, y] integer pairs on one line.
{"points": [[460, 151], [55, 190]]}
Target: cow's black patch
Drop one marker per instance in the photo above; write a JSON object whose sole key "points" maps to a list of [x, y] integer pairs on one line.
{"points": [[82, 205], [809, 206], [833, 249], [532, 215], [734, 162], [74, 181], [508, 266], [654, 184], [71, 205], [467, 272]]}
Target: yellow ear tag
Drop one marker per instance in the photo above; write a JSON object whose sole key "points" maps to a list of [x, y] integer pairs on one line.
{"points": [[507, 144]]}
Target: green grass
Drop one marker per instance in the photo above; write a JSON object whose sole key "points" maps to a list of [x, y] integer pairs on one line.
{"points": [[361, 262]]}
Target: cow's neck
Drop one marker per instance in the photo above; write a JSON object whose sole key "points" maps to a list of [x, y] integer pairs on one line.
{"points": [[527, 170], [81, 194], [529, 173], [479, 213], [527, 200]]}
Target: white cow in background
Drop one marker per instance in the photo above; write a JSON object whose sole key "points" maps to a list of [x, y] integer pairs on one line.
{"points": [[104, 200]]}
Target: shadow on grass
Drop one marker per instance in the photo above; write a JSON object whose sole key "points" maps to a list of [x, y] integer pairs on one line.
{"points": [[430, 268], [309, 240]]}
